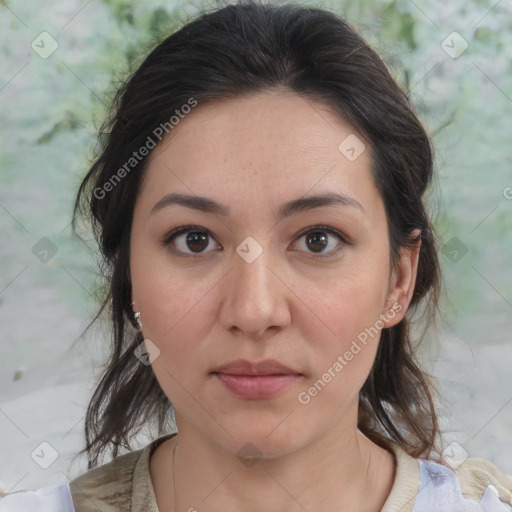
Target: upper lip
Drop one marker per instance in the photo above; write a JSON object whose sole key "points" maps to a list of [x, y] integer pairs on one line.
{"points": [[244, 367]]}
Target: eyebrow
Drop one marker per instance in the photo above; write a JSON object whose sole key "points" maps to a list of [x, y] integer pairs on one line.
{"points": [[293, 207]]}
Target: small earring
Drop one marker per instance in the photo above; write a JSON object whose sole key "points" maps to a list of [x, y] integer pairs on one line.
{"points": [[136, 315]]}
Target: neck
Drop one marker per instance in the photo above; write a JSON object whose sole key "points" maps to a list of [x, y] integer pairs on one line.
{"points": [[341, 470]]}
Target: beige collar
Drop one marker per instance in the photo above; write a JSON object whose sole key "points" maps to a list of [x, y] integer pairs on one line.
{"points": [[401, 498], [144, 499], [407, 482]]}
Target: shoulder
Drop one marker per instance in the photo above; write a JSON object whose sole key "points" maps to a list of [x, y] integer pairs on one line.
{"points": [[107, 487], [474, 484], [54, 498], [475, 475], [124, 483]]}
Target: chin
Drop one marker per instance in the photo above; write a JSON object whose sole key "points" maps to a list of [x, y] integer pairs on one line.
{"points": [[265, 439]]}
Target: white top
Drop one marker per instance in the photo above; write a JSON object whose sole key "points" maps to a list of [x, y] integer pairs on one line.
{"points": [[53, 498]]}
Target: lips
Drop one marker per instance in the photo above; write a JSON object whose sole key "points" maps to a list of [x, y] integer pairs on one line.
{"points": [[266, 367], [256, 380]]}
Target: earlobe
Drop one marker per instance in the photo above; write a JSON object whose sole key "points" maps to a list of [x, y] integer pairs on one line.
{"points": [[136, 315], [404, 281]]}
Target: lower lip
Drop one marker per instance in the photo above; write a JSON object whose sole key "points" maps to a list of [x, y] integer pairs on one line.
{"points": [[257, 386]]}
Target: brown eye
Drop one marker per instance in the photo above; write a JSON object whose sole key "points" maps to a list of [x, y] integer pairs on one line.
{"points": [[196, 241], [188, 240], [318, 240]]}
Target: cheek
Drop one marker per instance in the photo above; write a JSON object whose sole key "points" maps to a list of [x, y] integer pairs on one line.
{"points": [[345, 330], [176, 312], [163, 294], [177, 321], [341, 363], [173, 312], [353, 300]]}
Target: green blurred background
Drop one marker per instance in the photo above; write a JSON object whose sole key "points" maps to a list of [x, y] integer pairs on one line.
{"points": [[53, 105]]}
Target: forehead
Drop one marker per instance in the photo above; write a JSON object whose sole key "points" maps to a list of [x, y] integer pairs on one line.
{"points": [[265, 146]]}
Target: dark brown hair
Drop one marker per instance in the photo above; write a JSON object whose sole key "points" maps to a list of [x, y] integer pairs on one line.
{"points": [[235, 50]]}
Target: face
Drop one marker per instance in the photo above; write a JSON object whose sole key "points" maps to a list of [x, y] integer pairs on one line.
{"points": [[308, 285]]}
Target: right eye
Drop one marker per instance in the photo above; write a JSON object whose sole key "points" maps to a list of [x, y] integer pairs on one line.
{"points": [[197, 239]]}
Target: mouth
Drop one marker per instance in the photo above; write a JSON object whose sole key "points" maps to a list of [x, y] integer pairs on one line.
{"points": [[263, 379]]}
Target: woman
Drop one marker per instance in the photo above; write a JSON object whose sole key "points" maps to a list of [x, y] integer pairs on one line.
{"points": [[259, 205]]}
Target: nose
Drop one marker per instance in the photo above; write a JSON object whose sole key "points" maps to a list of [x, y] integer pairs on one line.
{"points": [[256, 299]]}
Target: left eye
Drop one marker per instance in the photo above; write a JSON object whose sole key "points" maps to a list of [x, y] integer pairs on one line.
{"points": [[197, 240], [317, 239]]}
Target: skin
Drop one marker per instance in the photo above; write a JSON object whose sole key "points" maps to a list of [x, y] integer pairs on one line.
{"points": [[253, 154]]}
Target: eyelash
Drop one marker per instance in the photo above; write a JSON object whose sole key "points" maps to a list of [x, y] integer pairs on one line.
{"points": [[169, 237]]}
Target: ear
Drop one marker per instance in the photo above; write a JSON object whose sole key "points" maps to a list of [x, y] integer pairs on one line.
{"points": [[403, 281]]}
